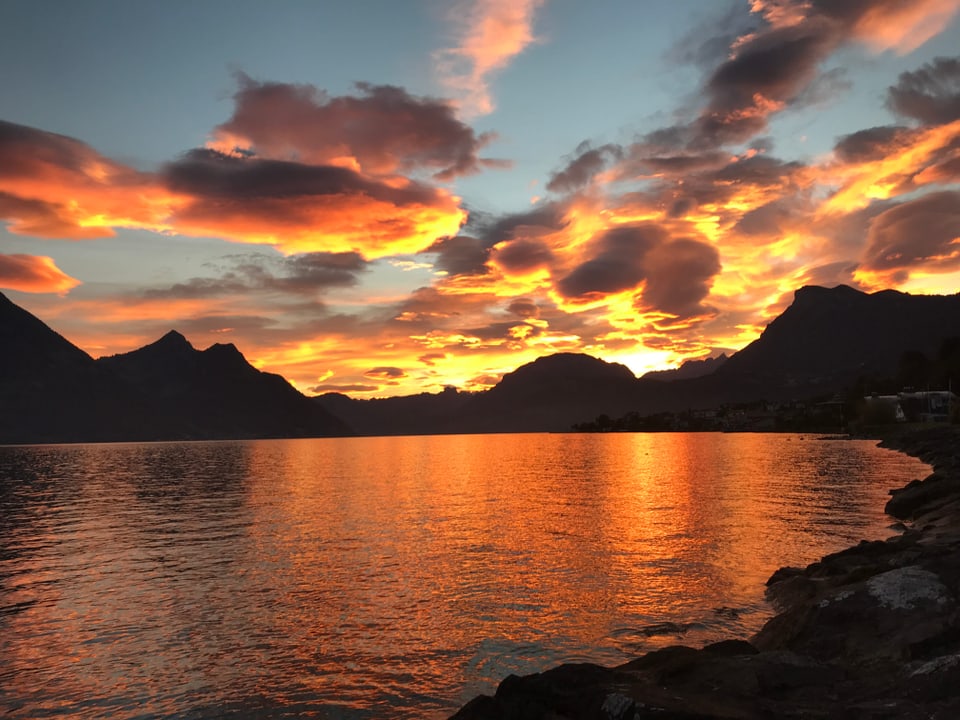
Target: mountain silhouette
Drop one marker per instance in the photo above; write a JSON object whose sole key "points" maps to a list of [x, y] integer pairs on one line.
{"points": [[822, 343], [689, 369], [51, 391], [551, 393], [216, 393], [828, 337]]}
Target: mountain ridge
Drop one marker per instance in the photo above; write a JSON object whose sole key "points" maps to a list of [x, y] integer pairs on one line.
{"points": [[52, 391]]}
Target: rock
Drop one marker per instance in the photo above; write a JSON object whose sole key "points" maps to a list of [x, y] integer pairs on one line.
{"points": [[790, 592], [618, 707], [730, 648], [906, 588], [920, 496]]}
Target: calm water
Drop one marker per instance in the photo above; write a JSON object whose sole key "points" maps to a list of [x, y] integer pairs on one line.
{"points": [[395, 577]]}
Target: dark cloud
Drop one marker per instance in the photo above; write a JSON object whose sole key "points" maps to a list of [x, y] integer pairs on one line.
{"points": [[319, 270], [930, 94], [501, 331], [307, 207], [769, 219], [427, 307], [768, 72], [523, 255], [524, 308], [385, 128], [546, 217], [306, 274], [708, 42], [386, 373], [580, 170], [468, 254], [676, 273], [759, 171], [616, 262], [431, 358], [652, 157], [872, 143], [24, 149], [919, 233], [681, 206], [461, 255], [771, 62], [717, 183], [205, 173], [679, 276], [334, 388]]}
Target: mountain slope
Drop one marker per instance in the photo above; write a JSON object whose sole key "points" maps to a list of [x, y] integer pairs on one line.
{"points": [[216, 393], [828, 337], [51, 391], [550, 394], [821, 343]]}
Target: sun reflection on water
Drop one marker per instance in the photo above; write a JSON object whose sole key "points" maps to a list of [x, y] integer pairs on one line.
{"points": [[361, 577]]}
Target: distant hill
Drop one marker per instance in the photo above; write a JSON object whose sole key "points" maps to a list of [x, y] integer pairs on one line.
{"points": [[688, 370], [828, 337], [421, 414], [51, 391], [550, 393], [821, 343]]}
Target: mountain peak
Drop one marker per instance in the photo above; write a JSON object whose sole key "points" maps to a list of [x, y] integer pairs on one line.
{"points": [[173, 344], [173, 339], [561, 366]]}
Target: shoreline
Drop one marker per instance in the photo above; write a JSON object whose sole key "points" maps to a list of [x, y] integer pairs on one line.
{"points": [[871, 631]]}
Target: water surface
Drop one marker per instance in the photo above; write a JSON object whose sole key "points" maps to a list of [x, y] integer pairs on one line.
{"points": [[395, 577]]}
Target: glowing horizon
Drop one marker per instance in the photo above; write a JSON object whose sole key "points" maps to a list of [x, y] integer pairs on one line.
{"points": [[457, 214]]}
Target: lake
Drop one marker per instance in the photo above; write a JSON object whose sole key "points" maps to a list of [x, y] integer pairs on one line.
{"points": [[396, 577]]}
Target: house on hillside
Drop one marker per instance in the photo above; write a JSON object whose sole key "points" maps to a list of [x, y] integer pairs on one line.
{"points": [[911, 405], [883, 409], [928, 405]]}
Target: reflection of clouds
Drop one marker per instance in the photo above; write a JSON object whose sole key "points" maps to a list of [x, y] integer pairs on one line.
{"points": [[365, 569]]}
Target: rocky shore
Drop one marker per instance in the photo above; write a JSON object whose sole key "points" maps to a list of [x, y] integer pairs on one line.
{"points": [[867, 633]]}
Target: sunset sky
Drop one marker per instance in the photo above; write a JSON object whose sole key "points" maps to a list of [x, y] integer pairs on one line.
{"points": [[382, 197]]}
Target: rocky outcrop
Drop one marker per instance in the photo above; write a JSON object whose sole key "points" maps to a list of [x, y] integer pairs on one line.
{"points": [[870, 632]]}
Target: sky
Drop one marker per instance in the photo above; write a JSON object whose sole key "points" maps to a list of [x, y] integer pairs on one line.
{"points": [[383, 198]]}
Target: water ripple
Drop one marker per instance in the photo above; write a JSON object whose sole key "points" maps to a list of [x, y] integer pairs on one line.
{"points": [[394, 577]]}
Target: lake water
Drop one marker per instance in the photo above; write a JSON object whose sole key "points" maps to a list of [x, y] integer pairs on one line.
{"points": [[395, 577]]}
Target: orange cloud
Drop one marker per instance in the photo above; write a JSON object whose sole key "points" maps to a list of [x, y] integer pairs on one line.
{"points": [[921, 235], [903, 27], [307, 208], [34, 274], [492, 33], [54, 186], [909, 160]]}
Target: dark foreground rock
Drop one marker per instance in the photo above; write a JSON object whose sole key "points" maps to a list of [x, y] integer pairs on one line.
{"points": [[867, 633]]}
